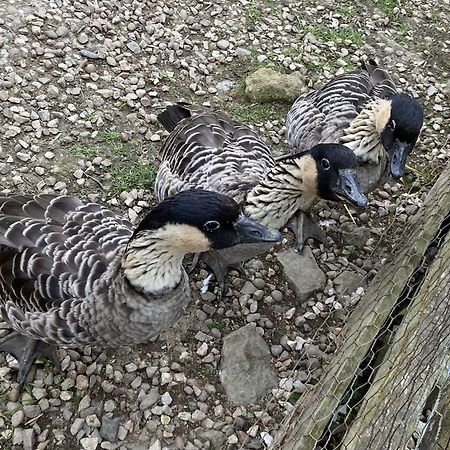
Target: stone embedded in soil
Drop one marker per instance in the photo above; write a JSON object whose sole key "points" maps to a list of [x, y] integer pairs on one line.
{"points": [[89, 443], [28, 439], [302, 271], [215, 438], [245, 369], [150, 399], [353, 235], [266, 85], [109, 429], [347, 282]]}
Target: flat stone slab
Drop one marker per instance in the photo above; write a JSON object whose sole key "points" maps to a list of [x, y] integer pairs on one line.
{"points": [[302, 271], [245, 370]]}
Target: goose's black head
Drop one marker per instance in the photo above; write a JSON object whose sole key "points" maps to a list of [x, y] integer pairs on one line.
{"points": [[401, 131], [197, 220], [336, 174]]}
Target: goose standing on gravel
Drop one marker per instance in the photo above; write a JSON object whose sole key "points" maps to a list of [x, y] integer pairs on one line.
{"points": [[363, 111], [76, 274], [207, 149]]}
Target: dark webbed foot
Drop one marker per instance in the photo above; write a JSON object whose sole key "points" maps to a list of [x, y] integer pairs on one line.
{"points": [[221, 261], [26, 350], [195, 260], [303, 226], [220, 265]]}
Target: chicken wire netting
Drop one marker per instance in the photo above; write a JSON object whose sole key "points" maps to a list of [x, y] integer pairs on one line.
{"points": [[387, 385]]}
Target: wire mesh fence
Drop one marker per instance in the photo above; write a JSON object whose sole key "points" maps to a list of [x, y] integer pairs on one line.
{"points": [[387, 385]]}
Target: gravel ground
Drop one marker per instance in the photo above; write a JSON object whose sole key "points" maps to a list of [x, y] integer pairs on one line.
{"points": [[80, 85]]}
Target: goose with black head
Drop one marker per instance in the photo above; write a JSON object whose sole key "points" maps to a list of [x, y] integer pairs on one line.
{"points": [[363, 111], [76, 274]]}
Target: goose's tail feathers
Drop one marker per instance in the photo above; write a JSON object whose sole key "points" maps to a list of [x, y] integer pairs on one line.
{"points": [[173, 115]]}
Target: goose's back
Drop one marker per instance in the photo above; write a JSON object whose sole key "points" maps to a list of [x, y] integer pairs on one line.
{"points": [[208, 150], [55, 252], [322, 115]]}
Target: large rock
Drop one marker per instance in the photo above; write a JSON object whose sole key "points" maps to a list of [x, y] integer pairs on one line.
{"points": [[245, 369], [302, 271], [266, 85]]}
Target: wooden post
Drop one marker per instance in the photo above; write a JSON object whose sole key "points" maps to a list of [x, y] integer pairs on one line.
{"points": [[313, 411], [414, 363], [437, 433], [443, 437]]}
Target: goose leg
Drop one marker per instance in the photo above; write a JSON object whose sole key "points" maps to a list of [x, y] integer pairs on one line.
{"points": [[303, 226], [195, 260], [220, 265], [221, 261], [26, 350]]}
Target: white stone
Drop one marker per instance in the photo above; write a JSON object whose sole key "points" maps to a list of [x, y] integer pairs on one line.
{"points": [[202, 350], [166, 378], [166, 398], [266, 438], [155, 446], [89, 443]]}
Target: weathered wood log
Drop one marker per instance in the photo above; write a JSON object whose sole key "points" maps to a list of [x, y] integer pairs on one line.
{"points": [[313, 411], [443, 437], [437, 433], [391, 408]]}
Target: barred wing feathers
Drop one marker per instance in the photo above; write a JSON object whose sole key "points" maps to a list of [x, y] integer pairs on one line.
{"points": [[323, 115], [208, 150], [53, 252]]}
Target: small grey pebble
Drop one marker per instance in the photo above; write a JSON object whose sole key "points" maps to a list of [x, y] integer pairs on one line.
{"points": [[364, 217], [276, 350]]}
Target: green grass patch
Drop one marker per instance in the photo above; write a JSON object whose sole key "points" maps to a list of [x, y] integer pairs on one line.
{"points": [[219, 324], [316, 67], [75, 399], [402, 30], [84, 151], [338, 36], [346, 11], [138, 176], [88, 116], [257, 113], [206, 371], [48, 366], [126, 170], [434, 16], [387, 6], [253, 14], [111, 136]]}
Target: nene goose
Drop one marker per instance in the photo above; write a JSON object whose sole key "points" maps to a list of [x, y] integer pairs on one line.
{"points": [[76, 274], [207, 149], [363, 111]]}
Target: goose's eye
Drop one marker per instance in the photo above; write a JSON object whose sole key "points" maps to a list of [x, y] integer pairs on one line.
{"points": [[211, 225], [392, 125], [325, 163]]}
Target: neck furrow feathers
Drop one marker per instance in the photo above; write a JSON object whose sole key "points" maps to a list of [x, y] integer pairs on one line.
{"points": [[363, 134], [287, 187], [151, 266]]}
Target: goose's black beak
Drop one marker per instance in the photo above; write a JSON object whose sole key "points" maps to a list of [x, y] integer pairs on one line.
{"points": [[398, 153], [348, 188], [251, 231]]}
